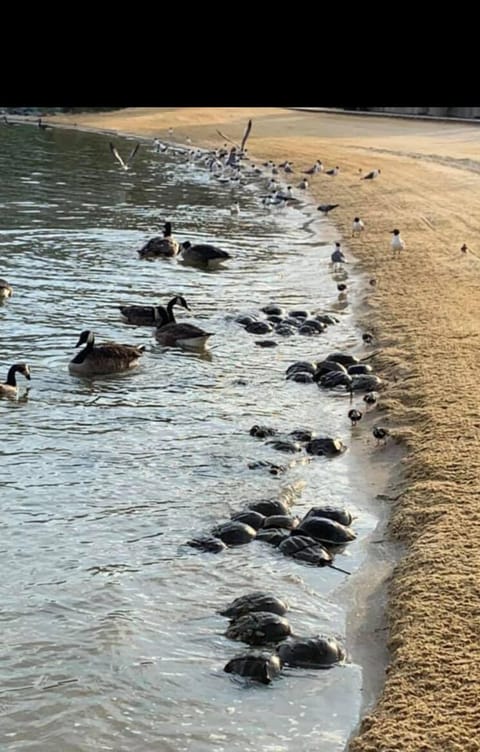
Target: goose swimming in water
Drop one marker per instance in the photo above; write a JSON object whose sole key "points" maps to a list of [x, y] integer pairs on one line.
{"points": [[161, 247], [108, 357], [208, 256], [9, 388], [152, 315], [6, 290], [125, 165], [189, 336]]}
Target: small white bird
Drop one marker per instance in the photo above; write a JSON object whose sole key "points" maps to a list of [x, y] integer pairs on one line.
{"points": [[334, 171], [371, 175], [125, 165], [235, 208], [287, 167], [357, 226], [303, 184], [397, 243]]}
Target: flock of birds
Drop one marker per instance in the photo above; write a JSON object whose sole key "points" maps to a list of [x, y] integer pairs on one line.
{"points": [[228, 165]]}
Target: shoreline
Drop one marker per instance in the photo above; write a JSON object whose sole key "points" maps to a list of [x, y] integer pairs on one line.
{"points": [[424, 310]]}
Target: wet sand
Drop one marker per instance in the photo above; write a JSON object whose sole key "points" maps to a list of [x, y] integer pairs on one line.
{"points": [[425, 314]]}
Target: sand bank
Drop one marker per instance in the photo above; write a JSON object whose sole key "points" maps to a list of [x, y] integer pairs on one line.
{"points": [[425, 313]]}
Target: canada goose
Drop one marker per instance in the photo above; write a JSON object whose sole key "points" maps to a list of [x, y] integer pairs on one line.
{"points": [[106, 358], [203, 255], [125, 165], [163, 247], [9, 388], [5, 290], [152, 315], [182, 335]]}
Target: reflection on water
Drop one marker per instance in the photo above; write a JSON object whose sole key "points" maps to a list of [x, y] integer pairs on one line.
{"points": [[111, 639]]}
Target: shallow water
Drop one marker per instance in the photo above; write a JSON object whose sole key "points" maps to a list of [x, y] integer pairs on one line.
{"points": [[111, 639]]}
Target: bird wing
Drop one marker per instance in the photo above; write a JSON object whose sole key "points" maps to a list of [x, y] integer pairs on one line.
{"points": [[134, 151], [367, 177], [226, 138], [246, 135], [117, 156]]}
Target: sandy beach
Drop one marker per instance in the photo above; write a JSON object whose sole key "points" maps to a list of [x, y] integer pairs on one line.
{"points": [[425, 314]]}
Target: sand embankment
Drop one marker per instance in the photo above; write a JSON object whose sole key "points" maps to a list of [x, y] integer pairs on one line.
{"points": [[425, 312]]}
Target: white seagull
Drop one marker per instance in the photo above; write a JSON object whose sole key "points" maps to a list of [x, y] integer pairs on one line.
{"points": [[371, 175], [125, 165], [357, 226], [317, 167], [397, 243], [303, 184]]}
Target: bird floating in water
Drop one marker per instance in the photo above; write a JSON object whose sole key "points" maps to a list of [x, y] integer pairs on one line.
{"points": [[333, 172], [397, 243], [125, 165], [357, 226], [371, 175], [355, 416], [9, 388], [370, 398], [368, 338], [6, 290], [464, 248], [341, 287], [326, 208], [380, 434]]}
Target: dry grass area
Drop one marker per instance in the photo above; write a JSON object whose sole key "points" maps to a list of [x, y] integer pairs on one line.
{"points": [[425, 312]]}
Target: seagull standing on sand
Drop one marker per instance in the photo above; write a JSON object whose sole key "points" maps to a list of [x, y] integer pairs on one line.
{"points": [[125, 165], [371, 175], [357, 226], [303, 184], [397, 243], [325, 208], [334, 171], [287, 167], [317, 167], [337, 256]]}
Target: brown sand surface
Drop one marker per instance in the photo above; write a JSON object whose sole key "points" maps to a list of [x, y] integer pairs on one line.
{"points": [[425, 314]]}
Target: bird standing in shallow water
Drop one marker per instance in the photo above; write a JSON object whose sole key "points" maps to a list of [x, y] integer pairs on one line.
{"points": [[397, 243], [355, 416], [337, 256], [381, 434], [370, 399]]}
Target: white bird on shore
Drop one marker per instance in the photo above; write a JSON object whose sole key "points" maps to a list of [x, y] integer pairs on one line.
{"points": [[371, 175], [125, 165], [357, 226], [287, 167], [337, 256], [317, 167], [303, 184], [334, 171], [235, 208], [397, 243]]}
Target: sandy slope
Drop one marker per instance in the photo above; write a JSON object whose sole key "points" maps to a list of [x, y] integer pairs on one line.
{"points": [[425, 312]]}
